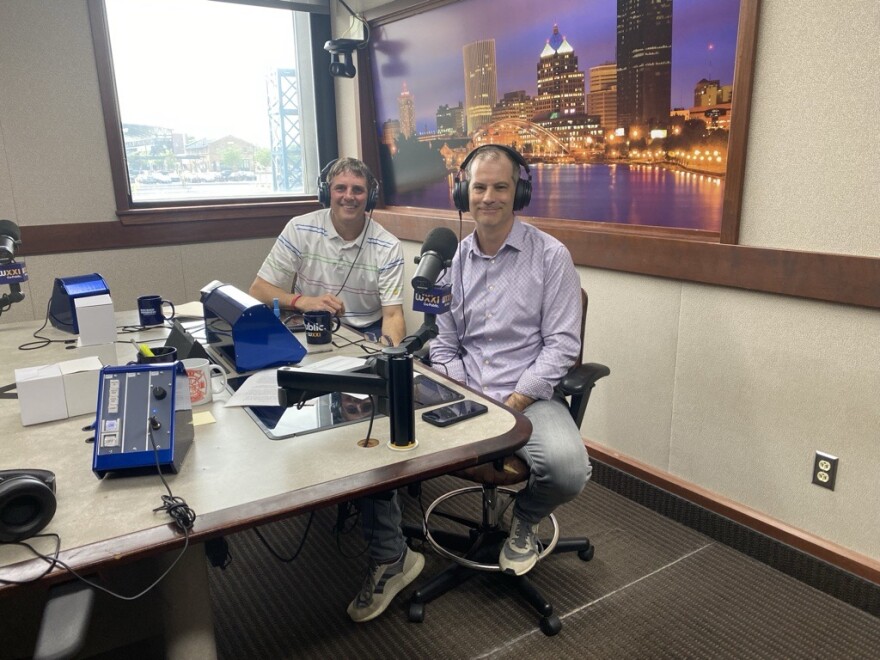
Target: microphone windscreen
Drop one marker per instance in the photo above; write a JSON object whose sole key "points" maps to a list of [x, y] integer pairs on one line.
{"points": [[9, 228], [441, 240]]}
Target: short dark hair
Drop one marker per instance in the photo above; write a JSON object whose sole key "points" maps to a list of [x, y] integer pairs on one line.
{"points": [[353, 166]]}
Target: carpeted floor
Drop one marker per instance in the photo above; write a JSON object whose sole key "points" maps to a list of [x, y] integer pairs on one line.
{"points": [[655, 589]]}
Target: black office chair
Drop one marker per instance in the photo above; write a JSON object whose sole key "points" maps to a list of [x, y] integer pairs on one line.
{"points": [[477, 550]]}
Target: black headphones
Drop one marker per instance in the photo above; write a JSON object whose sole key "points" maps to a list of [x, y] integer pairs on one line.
{"points": [[324, 189], [521, 197], [27, 503]]}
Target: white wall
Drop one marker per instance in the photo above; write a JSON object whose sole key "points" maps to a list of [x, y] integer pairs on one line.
{"points": [[731, 390]]}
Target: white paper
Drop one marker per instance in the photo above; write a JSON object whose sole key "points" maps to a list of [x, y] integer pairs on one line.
{"points": [[260, 389]]}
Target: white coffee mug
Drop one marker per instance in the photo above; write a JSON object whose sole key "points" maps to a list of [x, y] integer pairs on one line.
{"points": [[202, 385]]}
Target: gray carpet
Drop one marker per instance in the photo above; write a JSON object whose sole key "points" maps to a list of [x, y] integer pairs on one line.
{"points": [[655, 589]]}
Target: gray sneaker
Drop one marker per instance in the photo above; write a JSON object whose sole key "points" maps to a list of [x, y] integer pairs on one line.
{"points": [[383, 583], [519, 554]]}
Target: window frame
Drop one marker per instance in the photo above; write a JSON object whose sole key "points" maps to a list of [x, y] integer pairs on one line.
{"points": [[268, 213]]}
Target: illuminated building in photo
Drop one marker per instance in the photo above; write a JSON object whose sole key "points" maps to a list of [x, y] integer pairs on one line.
{"points": [[560, 82], [450, 119], [480, 83], [602, 97], [406, 106], [644, 62]]}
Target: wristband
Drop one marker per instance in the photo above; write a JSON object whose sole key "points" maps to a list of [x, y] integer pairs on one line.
{"points": [[293, 302]]}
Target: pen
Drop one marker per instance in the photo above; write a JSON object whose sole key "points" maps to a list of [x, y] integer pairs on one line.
{"points": [[276, 308]]}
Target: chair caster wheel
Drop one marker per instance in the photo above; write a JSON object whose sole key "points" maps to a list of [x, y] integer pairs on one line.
{"points": [[550, 625], [587, 554], [416, 612]]}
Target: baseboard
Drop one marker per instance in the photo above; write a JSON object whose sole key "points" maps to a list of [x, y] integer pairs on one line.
{"points": [[832, 569]]}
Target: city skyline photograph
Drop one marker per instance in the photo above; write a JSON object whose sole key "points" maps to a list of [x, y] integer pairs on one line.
{"points": [[595, 91]]}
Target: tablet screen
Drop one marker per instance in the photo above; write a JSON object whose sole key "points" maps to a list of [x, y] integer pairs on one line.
{"points": [[336, 409]]}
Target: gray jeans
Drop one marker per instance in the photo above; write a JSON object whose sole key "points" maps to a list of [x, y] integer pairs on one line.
{"points": [[558, 465]]}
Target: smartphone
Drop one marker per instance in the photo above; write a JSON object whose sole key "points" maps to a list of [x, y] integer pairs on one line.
{"points": [[454, 412]]}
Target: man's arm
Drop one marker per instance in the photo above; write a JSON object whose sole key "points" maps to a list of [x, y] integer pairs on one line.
{"points": [[560, 331], [266, 293], [393, 323]]}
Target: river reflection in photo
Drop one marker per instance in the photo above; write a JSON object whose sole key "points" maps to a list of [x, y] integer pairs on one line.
{"points": [[632, 194]]}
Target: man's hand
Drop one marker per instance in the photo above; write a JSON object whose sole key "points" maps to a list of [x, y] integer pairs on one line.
{"points": [[328, 302], [518, 401]]}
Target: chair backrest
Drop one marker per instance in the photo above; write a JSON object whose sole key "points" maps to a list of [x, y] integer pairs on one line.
{"points": [[581, 378], [584, 302]]}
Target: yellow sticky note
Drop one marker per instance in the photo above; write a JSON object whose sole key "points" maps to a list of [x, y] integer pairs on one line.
{"points": [[205, 417]]}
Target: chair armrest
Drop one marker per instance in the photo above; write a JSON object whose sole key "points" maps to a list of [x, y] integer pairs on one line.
{"points": [[582, 379]]}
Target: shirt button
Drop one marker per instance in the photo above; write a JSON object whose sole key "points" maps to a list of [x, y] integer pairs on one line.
{"points": [[485, 361], [491, 287]]}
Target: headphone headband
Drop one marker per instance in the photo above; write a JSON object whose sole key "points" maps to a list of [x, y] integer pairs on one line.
{"points": [[523, 193]]}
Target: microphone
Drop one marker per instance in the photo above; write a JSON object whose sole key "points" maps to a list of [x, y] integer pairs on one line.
{"points": [[11, 273], [437, 253], [10, 236]]}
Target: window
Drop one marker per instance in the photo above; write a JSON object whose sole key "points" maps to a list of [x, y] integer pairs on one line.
{"points": [[210, 105]]}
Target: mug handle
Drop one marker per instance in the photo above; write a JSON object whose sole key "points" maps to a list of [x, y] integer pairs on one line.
{"points": [[219, 370], [338, 322], [167, 302]]}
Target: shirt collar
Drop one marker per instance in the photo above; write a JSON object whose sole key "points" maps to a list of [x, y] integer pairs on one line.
{"points": [[515, 239]]}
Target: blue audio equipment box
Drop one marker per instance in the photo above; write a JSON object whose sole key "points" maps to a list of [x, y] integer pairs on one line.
{"points": [[245, 331], [62, 310], [144, 418]]}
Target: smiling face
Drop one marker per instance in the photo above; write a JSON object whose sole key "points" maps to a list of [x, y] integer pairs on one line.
{"points": [[348, 202], [491, 190]]}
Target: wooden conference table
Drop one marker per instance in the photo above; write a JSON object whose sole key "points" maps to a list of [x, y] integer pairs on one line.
{"points": [[234, 477]]}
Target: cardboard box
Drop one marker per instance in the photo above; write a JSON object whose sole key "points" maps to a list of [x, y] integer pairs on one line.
{"points": [[97, 324], [81, 385], [41, 394], [106, 353]]}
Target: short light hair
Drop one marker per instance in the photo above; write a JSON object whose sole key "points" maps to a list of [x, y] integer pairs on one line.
{"points": [[492, 152], [352, 166]]}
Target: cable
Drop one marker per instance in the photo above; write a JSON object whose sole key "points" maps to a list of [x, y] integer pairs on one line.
{"points": [[299, 548], [44, 341], [176, 507], [359, 18]]}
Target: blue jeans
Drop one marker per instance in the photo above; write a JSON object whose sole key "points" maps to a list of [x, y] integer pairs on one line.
{"points": [[559, 468]]}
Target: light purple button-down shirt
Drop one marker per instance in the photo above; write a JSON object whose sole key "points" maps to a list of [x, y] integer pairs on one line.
{"points": [[517, 320]]}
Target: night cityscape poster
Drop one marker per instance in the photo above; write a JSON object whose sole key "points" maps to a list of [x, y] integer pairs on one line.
{"points": [[622, 109]]}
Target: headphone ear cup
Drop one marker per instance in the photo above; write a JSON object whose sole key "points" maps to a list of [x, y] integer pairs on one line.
{"points": [[323, 193], [372, 198], [523, 194], [460, 194], [26, 507]]}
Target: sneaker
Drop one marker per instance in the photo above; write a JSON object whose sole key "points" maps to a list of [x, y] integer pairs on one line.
{"points": [[519, 554], [383, 583]]}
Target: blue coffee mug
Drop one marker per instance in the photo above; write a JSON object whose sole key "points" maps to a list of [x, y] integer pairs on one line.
{"points": [[320, 327], [150, 310]]}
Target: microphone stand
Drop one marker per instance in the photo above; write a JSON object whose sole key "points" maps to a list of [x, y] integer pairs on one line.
{"points": [[15, 295], [388, 377]]}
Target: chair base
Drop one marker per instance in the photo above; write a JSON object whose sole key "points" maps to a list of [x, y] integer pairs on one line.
{"points": [[481, 546]]}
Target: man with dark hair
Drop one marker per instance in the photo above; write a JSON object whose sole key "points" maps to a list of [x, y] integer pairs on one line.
{"points": [[336, 259], [513, 332]]}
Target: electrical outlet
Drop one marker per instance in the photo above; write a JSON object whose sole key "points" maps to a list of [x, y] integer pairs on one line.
{"points": [[825, 470]]}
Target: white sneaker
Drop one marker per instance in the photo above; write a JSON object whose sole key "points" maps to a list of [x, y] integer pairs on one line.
{"points": [[383, 583], [519, 554]]}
